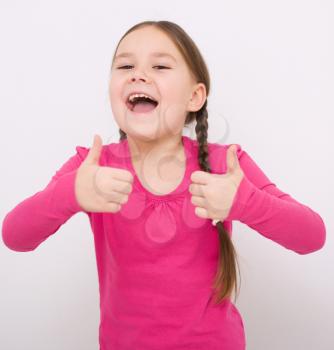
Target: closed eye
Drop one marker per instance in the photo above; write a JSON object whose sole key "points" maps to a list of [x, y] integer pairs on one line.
{"points": [[162, 67]]}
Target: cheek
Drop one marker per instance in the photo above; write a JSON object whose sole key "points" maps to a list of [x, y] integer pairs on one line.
{"points": [[173, 109], [172, 117], [114, 90], [174, 95], [116, 101]]}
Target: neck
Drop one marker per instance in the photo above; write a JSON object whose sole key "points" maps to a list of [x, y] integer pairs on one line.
{"points": [[140, 149]]}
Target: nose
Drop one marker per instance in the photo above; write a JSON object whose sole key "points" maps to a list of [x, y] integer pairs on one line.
{"points": [[139, 75], [138, 78]]}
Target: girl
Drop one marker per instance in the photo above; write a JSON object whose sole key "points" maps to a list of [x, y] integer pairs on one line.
{"points": [[161, 205]]}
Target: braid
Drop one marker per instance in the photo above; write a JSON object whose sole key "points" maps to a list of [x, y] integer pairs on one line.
{"points": [[226, 273], [201, 129]]}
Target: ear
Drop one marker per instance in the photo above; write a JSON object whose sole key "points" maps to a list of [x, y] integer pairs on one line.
{"points": [[197, 98]]}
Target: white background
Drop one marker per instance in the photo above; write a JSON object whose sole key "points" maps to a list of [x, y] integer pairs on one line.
{"points": [[271, 66]]}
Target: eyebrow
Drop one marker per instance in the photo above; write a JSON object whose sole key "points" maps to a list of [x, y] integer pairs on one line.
{"points": [[155, 54]]}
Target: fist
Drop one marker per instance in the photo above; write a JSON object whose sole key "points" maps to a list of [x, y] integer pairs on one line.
{"points": [[101, 188], [213, 194]]}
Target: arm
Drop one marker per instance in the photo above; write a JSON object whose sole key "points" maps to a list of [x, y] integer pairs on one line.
{"points": [[37, 217], [262, 206]]}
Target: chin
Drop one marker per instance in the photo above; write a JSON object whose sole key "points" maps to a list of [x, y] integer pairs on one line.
{"points": [[143, 134]]}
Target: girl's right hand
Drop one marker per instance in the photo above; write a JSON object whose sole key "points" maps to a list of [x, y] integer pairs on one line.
{"points": [[101, 188]]}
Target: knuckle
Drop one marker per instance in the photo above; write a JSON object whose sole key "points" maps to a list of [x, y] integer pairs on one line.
{"points": [[128, 187], [129, 177], [114, 207], [124, 199]]}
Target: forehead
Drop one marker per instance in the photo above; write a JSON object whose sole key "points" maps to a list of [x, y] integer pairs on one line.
{"points": [[152, 54], [147, 41]]}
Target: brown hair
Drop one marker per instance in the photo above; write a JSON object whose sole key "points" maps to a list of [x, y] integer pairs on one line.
{"points": [[225, 279]]}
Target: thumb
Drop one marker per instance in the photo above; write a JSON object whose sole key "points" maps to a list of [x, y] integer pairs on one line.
{"points": [[94, 153], [232, 160]]}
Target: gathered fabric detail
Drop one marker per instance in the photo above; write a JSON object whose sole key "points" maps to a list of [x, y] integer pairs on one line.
{"points": [[161, 222]]}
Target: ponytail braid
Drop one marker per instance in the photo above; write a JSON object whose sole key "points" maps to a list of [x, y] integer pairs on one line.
{"points": [[225, 279]]}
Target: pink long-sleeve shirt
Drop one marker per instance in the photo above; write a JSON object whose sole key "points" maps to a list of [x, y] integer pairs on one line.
{"points": [[156, 258]]}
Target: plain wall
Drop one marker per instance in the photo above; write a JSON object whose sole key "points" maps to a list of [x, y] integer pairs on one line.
{"points": [[271, 65]]}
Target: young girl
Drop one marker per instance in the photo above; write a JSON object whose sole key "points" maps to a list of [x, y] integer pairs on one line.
{"points": [[161, 204]]}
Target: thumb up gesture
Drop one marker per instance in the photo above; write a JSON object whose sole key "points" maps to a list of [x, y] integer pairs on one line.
{"points": [[101, 188], [213, 194]]}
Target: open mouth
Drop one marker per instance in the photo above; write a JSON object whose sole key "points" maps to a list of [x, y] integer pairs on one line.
{"points": [[141, 104]]}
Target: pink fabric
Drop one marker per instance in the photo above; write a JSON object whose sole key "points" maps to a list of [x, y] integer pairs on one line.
{"points": [[156, 259]]}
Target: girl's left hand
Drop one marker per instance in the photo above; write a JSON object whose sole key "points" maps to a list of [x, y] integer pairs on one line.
{"points": [[213, 194]]}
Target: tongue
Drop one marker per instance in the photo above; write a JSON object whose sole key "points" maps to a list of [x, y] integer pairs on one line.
{"points": [[143, 107]]}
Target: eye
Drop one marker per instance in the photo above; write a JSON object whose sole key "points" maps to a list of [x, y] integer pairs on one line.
{"points": [[163, 67], [124, 67]]}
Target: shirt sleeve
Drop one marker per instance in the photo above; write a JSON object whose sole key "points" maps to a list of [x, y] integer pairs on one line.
{"points": [[37, 217], [262, 206]]}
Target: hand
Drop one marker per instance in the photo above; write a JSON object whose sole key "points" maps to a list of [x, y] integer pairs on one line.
{"points": [[213, 194], [101, 188]]}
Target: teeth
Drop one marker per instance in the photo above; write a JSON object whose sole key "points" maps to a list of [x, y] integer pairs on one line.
{"points": [[133, 96]]}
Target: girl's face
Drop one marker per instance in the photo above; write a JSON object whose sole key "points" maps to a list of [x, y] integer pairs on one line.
{"points": [[148, 61]]}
